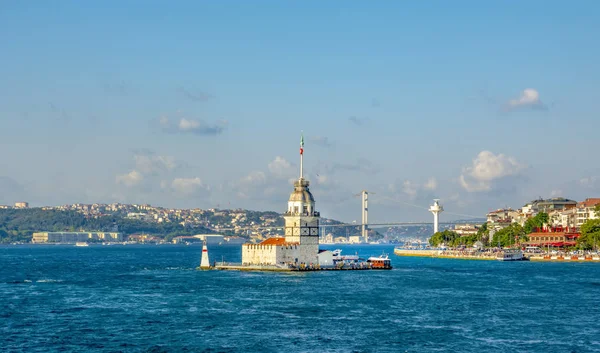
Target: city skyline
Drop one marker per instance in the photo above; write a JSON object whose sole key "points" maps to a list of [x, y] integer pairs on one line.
{"points": [[482, 105]]}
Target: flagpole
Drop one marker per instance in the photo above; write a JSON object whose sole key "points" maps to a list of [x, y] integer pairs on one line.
{"points": [[301, 155]]}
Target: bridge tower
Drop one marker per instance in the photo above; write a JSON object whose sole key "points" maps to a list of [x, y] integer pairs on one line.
{"points": [[436, 209], [365, 215]]}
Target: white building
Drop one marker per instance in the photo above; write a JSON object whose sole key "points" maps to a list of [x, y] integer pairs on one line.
{"points": [[21, 204], [301, 242], [465, 229], [586, 210], [73, 237]]}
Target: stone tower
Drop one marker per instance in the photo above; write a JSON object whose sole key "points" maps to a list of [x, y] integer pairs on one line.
{"points": [[301, 219]]}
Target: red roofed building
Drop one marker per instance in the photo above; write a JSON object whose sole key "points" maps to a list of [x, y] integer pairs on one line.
{"points": [[586, 210], [557, 237]]}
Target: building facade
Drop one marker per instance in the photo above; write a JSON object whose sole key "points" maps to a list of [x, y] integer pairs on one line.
{"points": [[74, 237], [586, 210]]}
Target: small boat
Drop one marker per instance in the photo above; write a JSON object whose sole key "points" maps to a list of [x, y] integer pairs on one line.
{"points": [[381, 262], [81, 243], [338, 257], [511, 255]]}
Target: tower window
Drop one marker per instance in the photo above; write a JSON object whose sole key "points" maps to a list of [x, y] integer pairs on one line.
{"points": [[295, 209], [305, 209]]}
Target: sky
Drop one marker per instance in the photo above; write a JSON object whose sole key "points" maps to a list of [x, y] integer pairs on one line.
{"points": [[201, 104]]}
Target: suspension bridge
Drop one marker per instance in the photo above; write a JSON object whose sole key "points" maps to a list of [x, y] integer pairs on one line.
{"points": [[364, 225]]}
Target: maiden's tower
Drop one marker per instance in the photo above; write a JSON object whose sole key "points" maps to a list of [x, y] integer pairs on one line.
{"points": [[301, 242]]}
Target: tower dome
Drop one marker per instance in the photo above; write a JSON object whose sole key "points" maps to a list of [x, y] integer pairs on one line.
{"points": [[301, 192]]}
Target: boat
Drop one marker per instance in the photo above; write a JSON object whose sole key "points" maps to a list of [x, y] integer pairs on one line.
{"points": [[381, 262], [512, 255], [337, 256], [82, 243]]}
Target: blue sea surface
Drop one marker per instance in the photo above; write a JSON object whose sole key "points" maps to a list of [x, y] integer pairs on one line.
{"points": [[151, 299]]}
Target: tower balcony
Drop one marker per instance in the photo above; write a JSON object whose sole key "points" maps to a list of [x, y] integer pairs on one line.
{"points": [[305, 214]]}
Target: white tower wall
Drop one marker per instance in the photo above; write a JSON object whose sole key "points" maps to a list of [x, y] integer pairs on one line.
{"points": [[204, 262], [436, 209]]}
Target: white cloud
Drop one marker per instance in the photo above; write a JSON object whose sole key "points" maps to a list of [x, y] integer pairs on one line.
{"points": [[255, 178], [280, 167], [555, 193], [164, 121], [588, 182], [148, 163], [192, 126], [530, 98], [431, 184], [413, 189], [322, 141], [188, 186], [251, 185], [409, 188], [187, 125], [486, 169], [130, 179], [322, 179]]}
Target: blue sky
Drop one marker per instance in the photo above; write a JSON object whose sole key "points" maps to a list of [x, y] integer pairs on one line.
{"points": [[201, 104]]}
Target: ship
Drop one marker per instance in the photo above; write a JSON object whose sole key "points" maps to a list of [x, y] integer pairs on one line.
{"points": [[81, 243], [381, 262], [511, 255]]}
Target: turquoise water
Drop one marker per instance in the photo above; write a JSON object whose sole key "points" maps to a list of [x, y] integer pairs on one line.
{"points": [[150, 299]]}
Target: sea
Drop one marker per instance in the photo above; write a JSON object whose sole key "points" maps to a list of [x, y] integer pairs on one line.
{"points": [[137, 298]]}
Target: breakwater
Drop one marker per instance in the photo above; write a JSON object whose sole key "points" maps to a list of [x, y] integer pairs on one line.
{"points": [[492, 255], [448, 254]]}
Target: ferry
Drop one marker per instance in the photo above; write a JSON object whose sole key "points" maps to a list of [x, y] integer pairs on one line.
{"points": [[511, 255], [82, 243], [381, 262], [347, 259]]}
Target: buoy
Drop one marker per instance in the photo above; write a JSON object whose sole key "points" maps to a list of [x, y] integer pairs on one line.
{"points": [[204, 262]]}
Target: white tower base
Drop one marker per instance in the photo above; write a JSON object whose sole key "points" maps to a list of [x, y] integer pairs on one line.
{"points": [[205, 262]]}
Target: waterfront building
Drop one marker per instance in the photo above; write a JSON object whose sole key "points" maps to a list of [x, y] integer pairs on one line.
{"points": [[301, 241], [586, 210], [555, 237], [502, 217], [466, 229], [74, 237], [563, 218], [555, 203]]}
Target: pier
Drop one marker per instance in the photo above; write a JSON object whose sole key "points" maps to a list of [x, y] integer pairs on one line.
{"points": [[292, 268], [448, 254]]}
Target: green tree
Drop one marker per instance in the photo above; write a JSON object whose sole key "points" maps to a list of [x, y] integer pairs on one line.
{"points": [[597, 210], [510, 235], [535, 222], [483, 234], [447, 237], [590, 234]]}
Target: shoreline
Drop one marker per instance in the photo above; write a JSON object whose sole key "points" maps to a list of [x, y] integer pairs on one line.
{"points": [[437, 254]]}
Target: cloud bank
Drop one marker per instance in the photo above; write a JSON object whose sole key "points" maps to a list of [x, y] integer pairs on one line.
{"points": [[487, 169], [192, 126], [529, 98]]}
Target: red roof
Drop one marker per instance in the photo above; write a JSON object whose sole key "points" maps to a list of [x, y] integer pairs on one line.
{"points": [[276, 241], [589, 202]]}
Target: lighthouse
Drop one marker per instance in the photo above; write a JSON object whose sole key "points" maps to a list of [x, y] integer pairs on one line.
{"points": [[204, 262], [436, 209]]}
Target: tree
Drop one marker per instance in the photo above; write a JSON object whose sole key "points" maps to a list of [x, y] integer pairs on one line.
{"points": [[447, 237], [590, 234], [597, 210], [510, 235], [483, 234], [535, 222]]}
